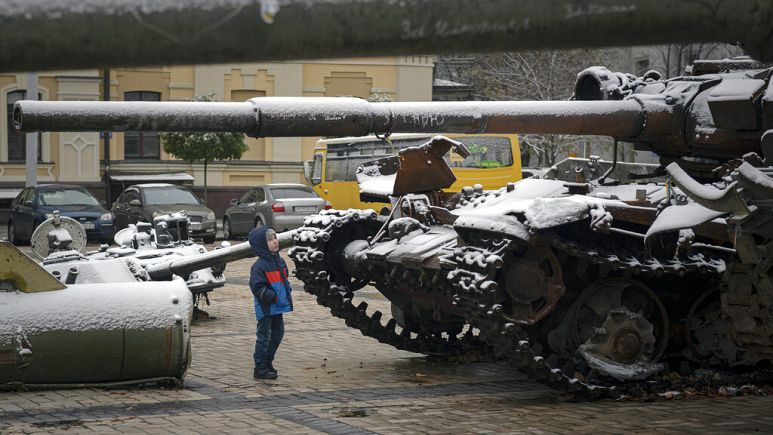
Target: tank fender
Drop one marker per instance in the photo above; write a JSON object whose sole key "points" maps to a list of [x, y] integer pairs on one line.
{"points": [[677, 217], [725, 200]]}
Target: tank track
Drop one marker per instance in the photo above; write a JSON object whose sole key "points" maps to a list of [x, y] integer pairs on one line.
{"points": [[312, 268]]}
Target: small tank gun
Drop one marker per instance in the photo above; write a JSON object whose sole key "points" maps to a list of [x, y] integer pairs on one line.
{"points": [[166, 269]]}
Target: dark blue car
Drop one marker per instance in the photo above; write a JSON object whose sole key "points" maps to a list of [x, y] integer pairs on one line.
{"points": [[36, 204]]}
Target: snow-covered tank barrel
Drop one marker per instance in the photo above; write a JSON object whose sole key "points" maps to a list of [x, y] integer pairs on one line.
{"points": [[330, 116], [54, 334]]}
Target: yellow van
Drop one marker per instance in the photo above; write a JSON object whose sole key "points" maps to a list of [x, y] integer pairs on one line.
{"points": [[494, 160]]}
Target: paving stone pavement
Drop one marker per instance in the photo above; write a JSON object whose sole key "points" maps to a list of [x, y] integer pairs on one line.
{"points": [[334, 380]]}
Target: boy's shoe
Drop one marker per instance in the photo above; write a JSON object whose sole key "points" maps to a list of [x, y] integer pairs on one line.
{"points": [[272, 370], [263, 374]]}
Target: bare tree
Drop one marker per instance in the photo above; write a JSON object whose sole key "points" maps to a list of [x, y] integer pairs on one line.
{"points": [[535, 75]]}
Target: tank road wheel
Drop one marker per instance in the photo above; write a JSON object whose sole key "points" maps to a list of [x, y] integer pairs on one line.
{"points": [[620, 327], [534, 285]]}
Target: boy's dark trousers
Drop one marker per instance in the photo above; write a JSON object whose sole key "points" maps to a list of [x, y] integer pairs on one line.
{"points": [[269, 334]]}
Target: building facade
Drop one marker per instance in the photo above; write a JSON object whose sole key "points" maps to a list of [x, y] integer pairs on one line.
{"points": [[79, 157]]}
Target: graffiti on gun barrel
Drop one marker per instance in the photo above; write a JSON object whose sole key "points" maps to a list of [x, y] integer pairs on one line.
{"points": [[424, 120]]}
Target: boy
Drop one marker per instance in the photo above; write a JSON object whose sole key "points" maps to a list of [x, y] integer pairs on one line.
{"points": [[272, 296]]}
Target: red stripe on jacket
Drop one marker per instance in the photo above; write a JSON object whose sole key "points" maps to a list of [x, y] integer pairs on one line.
{"points": [[274, 276]]}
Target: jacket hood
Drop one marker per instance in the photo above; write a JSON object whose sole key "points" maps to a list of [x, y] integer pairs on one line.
{"points": [[258, 242]]}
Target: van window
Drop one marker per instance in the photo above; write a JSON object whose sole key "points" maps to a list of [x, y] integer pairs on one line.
{"points": [[316, 172], [485, 152], [335, 168]]}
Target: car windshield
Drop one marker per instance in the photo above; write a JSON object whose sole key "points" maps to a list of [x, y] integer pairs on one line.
{"points": [[292, 192], [66, 197], [170, 195]]}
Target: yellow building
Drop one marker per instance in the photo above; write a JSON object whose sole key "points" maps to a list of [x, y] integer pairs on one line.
{"points": [[79, 157]]}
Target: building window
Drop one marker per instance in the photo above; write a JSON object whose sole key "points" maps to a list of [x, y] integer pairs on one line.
{"points": [[141, 144], [17, 142]]}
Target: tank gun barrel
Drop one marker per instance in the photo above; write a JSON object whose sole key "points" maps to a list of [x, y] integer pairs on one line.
{"points": [[164, 271], [319, 116]]}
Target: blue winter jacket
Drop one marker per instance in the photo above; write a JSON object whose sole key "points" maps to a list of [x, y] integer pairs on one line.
{"points": [[268, 278]]}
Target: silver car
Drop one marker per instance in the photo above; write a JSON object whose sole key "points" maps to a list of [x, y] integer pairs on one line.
{"points": [[281, 206]]}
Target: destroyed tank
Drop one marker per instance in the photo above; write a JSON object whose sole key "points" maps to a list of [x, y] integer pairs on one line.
{"points": [[145, 252], [59, 243], [590, 283]]}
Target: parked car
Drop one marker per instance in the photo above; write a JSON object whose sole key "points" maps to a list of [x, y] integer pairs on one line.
{"points": [[143, 202], [35, 204], [281, 206]]}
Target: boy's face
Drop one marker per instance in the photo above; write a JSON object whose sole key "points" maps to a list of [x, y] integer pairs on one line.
{"points": [[273, 242]]}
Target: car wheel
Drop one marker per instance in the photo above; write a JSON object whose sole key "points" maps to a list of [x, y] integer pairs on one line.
{"points": [[209, 239], [258, 222], [227, 229], [12, 237]]}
